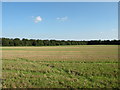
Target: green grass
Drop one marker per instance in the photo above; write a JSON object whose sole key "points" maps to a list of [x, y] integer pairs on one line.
{"points": [[60, 67]]}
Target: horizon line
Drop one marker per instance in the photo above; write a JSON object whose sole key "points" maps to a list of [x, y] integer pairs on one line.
{"points": [[60, 39]]}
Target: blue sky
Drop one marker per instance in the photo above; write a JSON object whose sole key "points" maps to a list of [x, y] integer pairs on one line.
{"points": [[60, 20], [0, 19]]}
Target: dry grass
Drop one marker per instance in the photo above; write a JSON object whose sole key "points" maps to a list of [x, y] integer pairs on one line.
{"points": [[55, 53]]}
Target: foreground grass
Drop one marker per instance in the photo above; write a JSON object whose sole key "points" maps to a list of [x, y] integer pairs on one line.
{"points": [[60, 67]]}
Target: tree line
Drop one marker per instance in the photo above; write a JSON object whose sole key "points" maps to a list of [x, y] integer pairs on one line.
{"points": [[38, 42]]}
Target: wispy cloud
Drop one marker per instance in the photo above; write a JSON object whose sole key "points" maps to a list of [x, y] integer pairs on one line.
{"points": [[37, 19], [108, 34], [62, 18], [32, 16]]}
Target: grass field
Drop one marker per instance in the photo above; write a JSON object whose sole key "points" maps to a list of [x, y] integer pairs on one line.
{"points": [[91, 66]]}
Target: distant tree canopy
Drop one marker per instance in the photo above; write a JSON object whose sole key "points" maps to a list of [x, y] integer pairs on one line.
{"points": [[33, 42]]}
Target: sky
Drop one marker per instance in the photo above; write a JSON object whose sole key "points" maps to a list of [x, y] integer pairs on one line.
{"points": [[0, 19], [60, 20]]}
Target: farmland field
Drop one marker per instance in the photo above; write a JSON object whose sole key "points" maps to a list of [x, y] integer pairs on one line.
{"points": [[80, 66]]}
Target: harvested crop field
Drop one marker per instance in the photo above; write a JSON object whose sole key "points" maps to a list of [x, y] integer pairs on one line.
{"points": [[80, 66]]}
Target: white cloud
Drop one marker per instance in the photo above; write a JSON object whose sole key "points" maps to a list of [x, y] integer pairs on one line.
{"points": [[62, 18], [37, 19]]}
